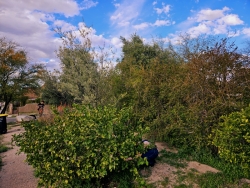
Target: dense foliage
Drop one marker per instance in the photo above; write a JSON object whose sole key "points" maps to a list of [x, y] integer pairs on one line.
{"points": [[83, 146], [232, 138], [51, 92], [182, 91]]}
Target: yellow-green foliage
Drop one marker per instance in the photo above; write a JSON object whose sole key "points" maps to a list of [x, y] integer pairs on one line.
{"points": [[83, 145], [233, 138]]}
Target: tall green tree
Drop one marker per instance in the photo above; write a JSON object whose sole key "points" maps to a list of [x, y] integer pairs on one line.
{"points": [[148, 74], [79, 70], [51, 92], [136, 59], [17, 76]]}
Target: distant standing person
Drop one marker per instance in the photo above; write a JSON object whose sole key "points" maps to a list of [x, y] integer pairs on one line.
{"points": [[40, 108]]}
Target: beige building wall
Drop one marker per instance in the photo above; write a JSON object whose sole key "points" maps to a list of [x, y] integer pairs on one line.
{"points": [[32, 109]]}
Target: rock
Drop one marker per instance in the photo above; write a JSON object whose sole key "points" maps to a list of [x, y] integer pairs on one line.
{"points": [[21, 118]]}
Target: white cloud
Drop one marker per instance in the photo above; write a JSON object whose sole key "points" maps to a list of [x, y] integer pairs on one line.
{"points": [[141, 26], [124, 24], [208, 14], [27, 29], [208, 21], [25, 23], [116, 42], [29, 23], [86, 4], [246, 31], [21, 22], [52, 64], [126, 12], [219, 29], [64, 26], [165, 9], [125, 17], [66, 7], [231, 19], [159, 23], [200, 29], [116, 5]]}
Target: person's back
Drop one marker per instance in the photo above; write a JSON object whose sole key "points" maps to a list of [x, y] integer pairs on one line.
{"points": [[151, 153]]}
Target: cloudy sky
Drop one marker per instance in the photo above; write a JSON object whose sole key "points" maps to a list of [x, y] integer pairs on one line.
{"points": [[31, 22]]}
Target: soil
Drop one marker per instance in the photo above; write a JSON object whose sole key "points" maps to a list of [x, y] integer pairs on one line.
{"points": [[15, 172]]}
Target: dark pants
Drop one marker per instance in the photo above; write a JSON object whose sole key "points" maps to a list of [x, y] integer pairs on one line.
{"points": [[151, 155]]}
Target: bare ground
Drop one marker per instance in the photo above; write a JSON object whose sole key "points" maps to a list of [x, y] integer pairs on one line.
{"points": [[15, 172]]}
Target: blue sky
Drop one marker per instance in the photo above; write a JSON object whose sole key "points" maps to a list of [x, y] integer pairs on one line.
{"points": [[30, 23]]}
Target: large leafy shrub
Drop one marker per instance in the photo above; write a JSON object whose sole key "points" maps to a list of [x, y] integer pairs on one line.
{"points": [[83, 146], [232, 138]]}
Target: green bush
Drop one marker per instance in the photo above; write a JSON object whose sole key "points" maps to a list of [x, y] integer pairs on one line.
{"points": [[83, 146], [232, 138]]}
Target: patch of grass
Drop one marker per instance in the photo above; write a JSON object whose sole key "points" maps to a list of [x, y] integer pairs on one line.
{"points": [[173, 159], [3, 148], [211, 180], [230, 171], [12, 124], [165, 182]]}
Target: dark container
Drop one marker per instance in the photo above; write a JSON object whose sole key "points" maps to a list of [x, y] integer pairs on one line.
{"points": [[3, 123]]}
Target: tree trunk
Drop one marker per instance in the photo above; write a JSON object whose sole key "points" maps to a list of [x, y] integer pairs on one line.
{"points": [[7, 102]]}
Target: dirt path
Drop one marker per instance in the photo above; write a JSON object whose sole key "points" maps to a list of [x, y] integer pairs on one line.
{"points": [[15, 172]]}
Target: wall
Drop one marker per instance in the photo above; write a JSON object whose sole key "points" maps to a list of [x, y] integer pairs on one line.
{"points": [[31, 108]]}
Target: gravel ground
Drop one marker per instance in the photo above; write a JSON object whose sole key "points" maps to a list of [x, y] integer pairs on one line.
{"points": [[15, 172]]}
